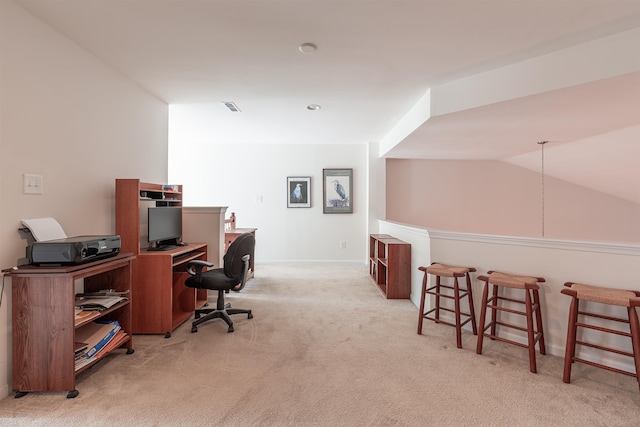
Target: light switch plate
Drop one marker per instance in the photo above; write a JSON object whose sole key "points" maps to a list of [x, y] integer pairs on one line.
{"points": [[32, 184]]}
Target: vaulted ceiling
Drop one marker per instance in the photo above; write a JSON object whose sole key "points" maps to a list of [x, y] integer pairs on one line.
{"points": [[432, 79]]}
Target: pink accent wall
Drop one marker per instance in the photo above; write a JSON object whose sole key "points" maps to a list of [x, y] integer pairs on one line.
{"points": [[494, 197]]}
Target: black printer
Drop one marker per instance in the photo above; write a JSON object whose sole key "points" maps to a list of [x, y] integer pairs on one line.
{"points": [[73, 250]]}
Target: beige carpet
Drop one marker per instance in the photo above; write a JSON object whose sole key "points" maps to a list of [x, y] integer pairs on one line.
{"points": [[326, 349]]}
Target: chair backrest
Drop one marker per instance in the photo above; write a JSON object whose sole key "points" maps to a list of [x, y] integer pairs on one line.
{"points": [[233, 263]]}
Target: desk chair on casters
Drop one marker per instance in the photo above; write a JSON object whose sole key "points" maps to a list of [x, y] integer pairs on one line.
{"points": [[232, 276]]}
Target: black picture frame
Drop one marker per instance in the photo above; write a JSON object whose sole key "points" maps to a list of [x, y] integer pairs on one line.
{"points": [[298, 192]]}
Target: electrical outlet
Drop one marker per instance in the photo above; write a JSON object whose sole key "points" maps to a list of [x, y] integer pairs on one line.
{"points": [[343, 244], [32, 184]]}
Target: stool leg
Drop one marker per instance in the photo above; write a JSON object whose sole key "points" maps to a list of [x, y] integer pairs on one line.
{"points": [[530, 335], [570, 350], [483, 312], [456, 300], [472, 312], [635, 339], [538, 313], [437, 312], [424, 295], [494, 312]]}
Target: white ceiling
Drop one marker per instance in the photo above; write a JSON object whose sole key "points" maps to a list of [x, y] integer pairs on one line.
{"points": [[375, 60]]}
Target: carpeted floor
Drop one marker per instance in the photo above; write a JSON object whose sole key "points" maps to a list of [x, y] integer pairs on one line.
{"points": [[326, 349]]}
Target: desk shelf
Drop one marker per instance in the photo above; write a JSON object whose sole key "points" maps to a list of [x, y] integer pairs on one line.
{"points": [[161, 301]]}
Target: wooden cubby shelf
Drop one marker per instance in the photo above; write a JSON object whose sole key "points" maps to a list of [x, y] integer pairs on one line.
{"points": [[390, 265]]}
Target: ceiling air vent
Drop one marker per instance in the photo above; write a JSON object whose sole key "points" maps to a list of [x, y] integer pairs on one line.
{"points": [[232, 107]]}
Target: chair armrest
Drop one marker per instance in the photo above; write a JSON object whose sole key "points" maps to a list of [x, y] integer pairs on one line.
{"points": [[195, 266]]}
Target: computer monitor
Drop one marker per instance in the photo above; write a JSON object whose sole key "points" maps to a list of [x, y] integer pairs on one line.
{"points": [[164, 227]]}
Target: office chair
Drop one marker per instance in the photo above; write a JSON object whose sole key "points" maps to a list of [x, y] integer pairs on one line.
{"points": [[232, 276]]}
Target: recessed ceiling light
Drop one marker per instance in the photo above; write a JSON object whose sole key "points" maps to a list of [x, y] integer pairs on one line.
{"points": [[313, 107], [307, 48]]}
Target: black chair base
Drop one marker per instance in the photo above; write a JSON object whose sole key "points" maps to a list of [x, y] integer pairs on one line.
{"points": [[214, 313], [222, 311]]}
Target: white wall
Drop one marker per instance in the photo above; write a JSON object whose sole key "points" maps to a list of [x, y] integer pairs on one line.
{"points": [[78, 123], [251, 180]]}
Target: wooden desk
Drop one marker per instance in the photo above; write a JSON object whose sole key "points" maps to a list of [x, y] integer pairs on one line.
{"points": [[44, 325], [161, 301], [231, 235]]}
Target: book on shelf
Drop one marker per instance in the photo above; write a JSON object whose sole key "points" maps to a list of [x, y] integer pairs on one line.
{"points": [[99, 302], [82, 360], [81, 314], [79, 347], [97, 334], [111, 345]]}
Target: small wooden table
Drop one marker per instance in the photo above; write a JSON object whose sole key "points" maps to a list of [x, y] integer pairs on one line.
{"points": [[231, 235]]}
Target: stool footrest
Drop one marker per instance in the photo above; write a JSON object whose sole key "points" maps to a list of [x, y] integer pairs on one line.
{"points": [[510, 310], [608, 368], [445, 322], [603, 329], [519, 344], [450, 310], [536, 334], [599, 347], [602, 316], [463, 293]]}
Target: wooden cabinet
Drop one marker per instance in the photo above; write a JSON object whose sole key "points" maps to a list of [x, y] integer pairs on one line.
{"points": [[160, 300], [390, 265], [44, 324]]}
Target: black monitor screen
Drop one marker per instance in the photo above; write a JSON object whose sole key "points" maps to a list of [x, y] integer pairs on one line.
{"points": [[165, 223]]}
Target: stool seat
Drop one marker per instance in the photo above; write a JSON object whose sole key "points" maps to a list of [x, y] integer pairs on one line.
{"points": [[499, 303], [455, 293], [445, 270], [513, 281], [618, 297]]}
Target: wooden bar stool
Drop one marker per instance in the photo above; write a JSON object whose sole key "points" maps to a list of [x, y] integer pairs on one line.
{"points": [[455, 293], [531, 302], [618, 297]]}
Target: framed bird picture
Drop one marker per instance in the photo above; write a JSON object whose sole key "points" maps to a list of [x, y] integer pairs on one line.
{"points": [[298, 191], [337, 191]]}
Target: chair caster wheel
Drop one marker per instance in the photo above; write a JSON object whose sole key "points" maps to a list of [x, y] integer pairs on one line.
{"points": [[250, 316], [194, 329], [230, 329]]}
